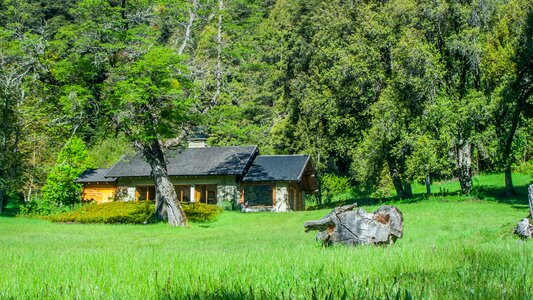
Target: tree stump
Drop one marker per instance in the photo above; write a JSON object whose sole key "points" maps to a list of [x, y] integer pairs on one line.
{"points": [[524, 228], [354, 227]]}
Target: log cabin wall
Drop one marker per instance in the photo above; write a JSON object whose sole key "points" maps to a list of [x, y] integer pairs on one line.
{"points": [[99, 192], [296, 199]]}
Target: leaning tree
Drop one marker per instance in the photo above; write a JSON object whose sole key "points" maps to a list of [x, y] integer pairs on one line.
{"points": [[150, 106]]}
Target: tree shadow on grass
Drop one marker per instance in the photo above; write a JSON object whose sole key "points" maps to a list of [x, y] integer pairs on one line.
{"points": [[484, 193], [495, 193], [10, 211]]}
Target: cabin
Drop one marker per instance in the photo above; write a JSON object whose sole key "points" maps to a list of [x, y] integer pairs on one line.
{"points": [[227, 176], [97, 187]]}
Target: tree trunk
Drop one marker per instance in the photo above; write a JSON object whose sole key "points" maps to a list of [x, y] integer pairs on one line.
{"points": [[188, 27], [407, 190], [218, 70], [428, 184], [354, 227], [167, 205], [464, 168], [396, 181], [2, 200], [402, 187], [509, 190]]}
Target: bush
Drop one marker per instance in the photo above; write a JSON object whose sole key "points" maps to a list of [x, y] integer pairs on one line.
{"points": [[42, 207], [138, 212], [525, 168], [336, 188], [200, 212], [134, 212]]}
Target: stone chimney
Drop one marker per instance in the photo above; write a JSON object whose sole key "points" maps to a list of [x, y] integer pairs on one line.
{"points": [[197, 143], [197, 140]]}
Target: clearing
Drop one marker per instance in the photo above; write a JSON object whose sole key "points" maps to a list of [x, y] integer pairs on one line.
{"points": [[454, 247]]}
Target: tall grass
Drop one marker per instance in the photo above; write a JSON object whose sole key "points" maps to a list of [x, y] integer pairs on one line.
{"points": [[451, 250]]}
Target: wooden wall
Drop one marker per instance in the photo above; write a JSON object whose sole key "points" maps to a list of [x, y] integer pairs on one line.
{"points": [[100, 192]]}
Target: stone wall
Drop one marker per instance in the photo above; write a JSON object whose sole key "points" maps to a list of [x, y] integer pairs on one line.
{"points": [[227, 193], [282, 197]]}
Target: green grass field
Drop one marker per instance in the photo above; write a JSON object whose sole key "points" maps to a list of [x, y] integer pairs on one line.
{"points": [[453, 248]]}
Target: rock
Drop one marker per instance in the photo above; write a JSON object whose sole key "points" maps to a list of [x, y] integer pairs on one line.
{"points": [[524, 229], [353, 227]]}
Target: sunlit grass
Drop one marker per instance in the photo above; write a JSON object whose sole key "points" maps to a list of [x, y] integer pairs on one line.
{"points": [[494, 181], [454, 249]]}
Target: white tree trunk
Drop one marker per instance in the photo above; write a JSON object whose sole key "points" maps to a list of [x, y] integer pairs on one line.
{"points": [[188, 28], [464, 165], [218, 69]]}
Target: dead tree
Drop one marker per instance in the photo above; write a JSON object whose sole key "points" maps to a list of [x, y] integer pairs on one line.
{"points": [[354, 227]]}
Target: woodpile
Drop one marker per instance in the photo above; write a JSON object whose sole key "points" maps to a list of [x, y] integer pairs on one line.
{"points": [[351, 226]]}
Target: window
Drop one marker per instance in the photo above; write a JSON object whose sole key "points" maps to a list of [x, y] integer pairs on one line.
{"points": [[145, 193], [206, 193], [183, 192], [258, 195]]}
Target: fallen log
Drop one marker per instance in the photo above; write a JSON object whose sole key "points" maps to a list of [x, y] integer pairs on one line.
{"points": [[354, 227], [524, 228]]}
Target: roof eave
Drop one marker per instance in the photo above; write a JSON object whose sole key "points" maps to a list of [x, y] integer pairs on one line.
{"points": [[303, 169]]}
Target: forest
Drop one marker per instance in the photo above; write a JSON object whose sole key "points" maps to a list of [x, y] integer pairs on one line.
{"points": [[380, 93]]}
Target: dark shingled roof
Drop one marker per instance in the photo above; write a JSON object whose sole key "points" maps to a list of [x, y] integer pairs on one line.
{"points": [[191, 162], [94, 175], [277, 167]]}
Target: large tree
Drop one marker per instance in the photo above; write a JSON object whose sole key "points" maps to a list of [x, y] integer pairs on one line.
{"points": [[510, 78], [13, 92], [149, 105]]}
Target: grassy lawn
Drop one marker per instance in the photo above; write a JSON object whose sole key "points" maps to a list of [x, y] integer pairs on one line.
{"points": [[487, 186], [453, 248]]}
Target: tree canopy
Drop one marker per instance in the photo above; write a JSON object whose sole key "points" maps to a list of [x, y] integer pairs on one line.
{"points": [[375, 91]]}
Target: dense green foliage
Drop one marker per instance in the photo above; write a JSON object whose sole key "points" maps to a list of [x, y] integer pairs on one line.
{"points": [[382, 92], [71, 162], [333, 187], [43, 207], [136, 212], [451, 249], [60, 193]]}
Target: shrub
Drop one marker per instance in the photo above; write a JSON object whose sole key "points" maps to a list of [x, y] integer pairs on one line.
{"points": [[336, 187], [525, 168], [200, 212], [138, 212], [42, 207], [131, 212]]}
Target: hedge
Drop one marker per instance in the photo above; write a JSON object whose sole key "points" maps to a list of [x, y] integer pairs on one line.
{"points": [[131, 212]]}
